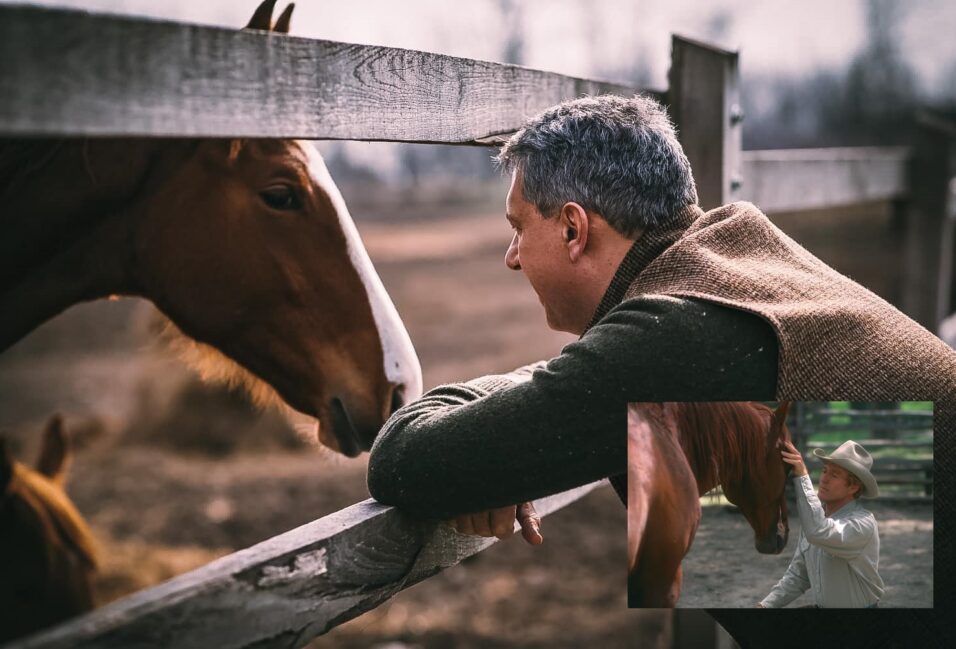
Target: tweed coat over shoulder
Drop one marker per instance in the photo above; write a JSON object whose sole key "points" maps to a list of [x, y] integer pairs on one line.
{"points": [[837, 339]]}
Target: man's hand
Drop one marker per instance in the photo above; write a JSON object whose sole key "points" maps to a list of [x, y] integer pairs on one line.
{"points": [[500, 522], [792, 456]]}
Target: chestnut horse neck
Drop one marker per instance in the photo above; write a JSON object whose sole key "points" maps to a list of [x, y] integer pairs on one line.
{"points": [[55, 192], [62, 218], [723, 441]]}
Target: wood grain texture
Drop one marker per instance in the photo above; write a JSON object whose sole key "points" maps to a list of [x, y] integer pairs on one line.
{"points": [[72, 73], [807, 179], [704, 101], [287, 590], [928, 237]]}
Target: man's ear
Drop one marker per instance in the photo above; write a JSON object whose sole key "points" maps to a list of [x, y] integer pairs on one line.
{"points": [[859, 488], [574, 224]]}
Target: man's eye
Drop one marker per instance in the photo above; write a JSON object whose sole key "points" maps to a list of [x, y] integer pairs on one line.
{"points": [[281, 198]]}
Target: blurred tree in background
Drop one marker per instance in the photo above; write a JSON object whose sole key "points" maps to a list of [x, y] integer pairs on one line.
{"points": [[872, 101]]}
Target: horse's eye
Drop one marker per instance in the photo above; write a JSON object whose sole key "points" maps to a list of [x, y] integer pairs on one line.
{"points": [[281, 198]]}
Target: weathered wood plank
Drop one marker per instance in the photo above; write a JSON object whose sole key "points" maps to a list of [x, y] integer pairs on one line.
{"points": [[911, 415], [284, 591], [877, 443], [806, 179], [704, 99], [72, 73], [928, 241]]}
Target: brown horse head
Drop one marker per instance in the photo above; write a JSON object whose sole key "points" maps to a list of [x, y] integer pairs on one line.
{"points": [[274, 275], [245, 245], [47, 554], [758, 489]]}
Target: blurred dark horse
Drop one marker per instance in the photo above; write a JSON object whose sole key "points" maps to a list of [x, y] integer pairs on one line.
{"points": [[47, 554], [246, 245], [676, 453]]}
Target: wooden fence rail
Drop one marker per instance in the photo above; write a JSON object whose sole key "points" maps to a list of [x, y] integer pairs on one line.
{"points": [[795, 180], [907, 479], [284, 591], [72, 73]]}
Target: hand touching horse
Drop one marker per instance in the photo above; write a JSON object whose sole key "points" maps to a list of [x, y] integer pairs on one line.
{"points": [[246, 245], [676, 453]]}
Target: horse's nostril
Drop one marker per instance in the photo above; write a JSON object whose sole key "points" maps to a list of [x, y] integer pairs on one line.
{"points": [[398, 398], [344, 429]]}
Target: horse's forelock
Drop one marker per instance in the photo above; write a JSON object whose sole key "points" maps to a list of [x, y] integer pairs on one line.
{"points": [[235, 148]]}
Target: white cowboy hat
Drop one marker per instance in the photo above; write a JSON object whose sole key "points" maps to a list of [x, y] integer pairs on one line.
{"points": [[855, 459]]}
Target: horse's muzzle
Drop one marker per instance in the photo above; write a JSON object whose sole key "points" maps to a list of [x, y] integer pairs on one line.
{"points": [[772, 543]]}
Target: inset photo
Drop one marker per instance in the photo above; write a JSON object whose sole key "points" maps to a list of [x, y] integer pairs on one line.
{"points": [[822, 504]]}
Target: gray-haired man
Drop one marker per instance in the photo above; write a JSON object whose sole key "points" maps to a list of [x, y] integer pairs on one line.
{"points": [[671, 304], [838, 551]]}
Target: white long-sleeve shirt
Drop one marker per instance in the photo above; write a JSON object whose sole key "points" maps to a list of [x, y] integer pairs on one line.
{"points": [[837, 557]]}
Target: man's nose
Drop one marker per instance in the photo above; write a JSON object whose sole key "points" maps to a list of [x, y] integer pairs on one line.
{"points": [[511, 256]]}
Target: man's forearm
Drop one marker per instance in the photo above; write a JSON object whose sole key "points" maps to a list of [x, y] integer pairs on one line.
{"points": [[783, 593], [844, 538], [498, 441], [794, 582], [491, 442]]}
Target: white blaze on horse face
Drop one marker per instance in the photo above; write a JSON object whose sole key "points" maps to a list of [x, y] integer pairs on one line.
{"points": [[401, 361]]}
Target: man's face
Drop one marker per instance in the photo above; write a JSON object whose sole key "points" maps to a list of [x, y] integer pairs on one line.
{"points": [[834, 484], [540, 250]]}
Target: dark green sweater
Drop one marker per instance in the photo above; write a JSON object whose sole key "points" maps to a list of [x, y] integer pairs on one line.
{"points": [[491, 442]]}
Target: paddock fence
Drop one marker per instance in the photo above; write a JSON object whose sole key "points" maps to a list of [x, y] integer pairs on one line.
{"points": [[900, 441], [66, 73]]}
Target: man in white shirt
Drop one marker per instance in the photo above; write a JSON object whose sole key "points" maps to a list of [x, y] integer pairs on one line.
{"points": [[838, 551]]}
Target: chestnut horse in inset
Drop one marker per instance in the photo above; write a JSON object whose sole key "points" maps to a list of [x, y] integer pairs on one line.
{"points": [[47, 554], [246, 245], [676, 453]]}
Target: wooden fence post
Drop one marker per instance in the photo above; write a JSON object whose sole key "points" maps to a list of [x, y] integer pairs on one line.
{"points": [[704, 100], [928, 242]]}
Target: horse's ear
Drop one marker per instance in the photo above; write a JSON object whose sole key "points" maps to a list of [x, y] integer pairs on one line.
{"points": [[778, 423], [6, 465], [262, 18], [54, 451], [284, 20]]}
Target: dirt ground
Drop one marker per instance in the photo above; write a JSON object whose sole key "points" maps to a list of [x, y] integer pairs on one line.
{"points": [[723, 570], [172, 474]]}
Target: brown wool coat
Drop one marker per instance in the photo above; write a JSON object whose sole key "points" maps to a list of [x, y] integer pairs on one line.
{"points": [[837, 339]]}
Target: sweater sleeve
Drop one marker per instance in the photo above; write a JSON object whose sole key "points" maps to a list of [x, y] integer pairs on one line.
{"points": [[497, 441], [794, 582]]}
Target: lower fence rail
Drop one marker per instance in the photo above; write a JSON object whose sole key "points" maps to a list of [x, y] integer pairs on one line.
{"points": [[287, 590]]}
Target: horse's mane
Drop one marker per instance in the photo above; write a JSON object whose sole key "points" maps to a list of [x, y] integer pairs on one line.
{"points": [[54, 511], [20, 158], [723, 440]]}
